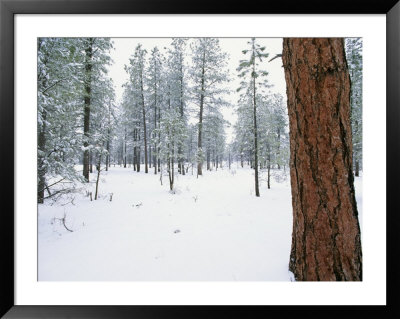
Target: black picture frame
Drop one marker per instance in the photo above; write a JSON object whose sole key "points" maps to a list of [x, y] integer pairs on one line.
{"points": [[8, 8]]}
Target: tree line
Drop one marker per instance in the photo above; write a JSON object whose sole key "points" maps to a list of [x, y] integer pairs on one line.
{"points": [[169, 119], [170, 114]]}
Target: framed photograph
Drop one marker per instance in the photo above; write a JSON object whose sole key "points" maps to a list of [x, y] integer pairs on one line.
{"points": [[169, 154]]}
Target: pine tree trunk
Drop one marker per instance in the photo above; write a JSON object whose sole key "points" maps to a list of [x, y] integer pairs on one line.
{"points": [[138, 159], [269, 172], [146, 169], [181, 169], [155, 144], [257, 190], [108, 156], [98, 167], [149, 156], [278, 151], [155, 162], [199, 142], [159, 139], [125, 149], [326, 241], [173, 167], [108, 150], [41, 168], [135, 159], [90, 162], [41, 157], [86, 115]]}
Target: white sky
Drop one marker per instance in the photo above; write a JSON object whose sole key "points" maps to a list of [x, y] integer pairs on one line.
{"points": [[124, 48]]}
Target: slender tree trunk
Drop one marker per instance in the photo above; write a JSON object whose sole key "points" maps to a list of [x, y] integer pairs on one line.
{"points": [[269, 171], [171, 165], [155, 127], [278, 151], [146, 169], [159, 139], [108, 138], [213, 159], [169, 170], [120, 153], [199, 142], [87, 98], [172, 168], [135, 159], [257, 190], [155, 161], [125, 149], [108, 150], [90, 162], [149, 156], [138, 151], [326, 241], [180, 148], [98, 167], [138, 158]]}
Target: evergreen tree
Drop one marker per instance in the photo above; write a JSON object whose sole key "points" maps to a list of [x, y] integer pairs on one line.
{"points": [[155, 100], [59, 91], [136, 71], [254, 81], [72, 83], [178, 78], [95, 58], [354, 62], [208, 74]]}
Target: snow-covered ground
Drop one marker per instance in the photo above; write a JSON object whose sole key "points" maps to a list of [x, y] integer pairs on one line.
{"points": [[211, 228]]}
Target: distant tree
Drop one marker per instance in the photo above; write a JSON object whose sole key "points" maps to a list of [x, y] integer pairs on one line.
{"points": [[155, 99], [95, 59], [191, 146], [254, 79], [272, 133], [179, 92], [214, 133], [354, 62], [173, 124], [136, 71], [208, 73]]}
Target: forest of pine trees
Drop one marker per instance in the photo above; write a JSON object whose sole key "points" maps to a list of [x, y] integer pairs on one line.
{"points": [[169, 122]]}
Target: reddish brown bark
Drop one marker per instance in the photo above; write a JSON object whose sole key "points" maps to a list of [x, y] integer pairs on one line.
{"points": [[326, 241]]}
